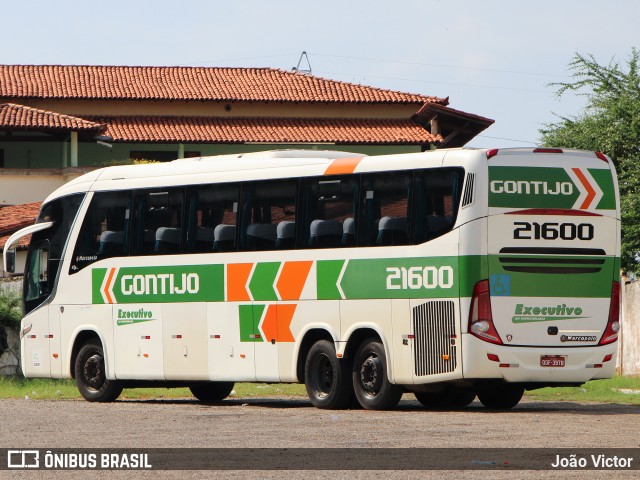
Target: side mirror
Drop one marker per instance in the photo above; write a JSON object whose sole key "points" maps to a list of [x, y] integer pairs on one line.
{"points": [[10, 257]]}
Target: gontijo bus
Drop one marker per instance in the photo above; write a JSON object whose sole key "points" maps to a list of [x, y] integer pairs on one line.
{"points": [[448, 273]]}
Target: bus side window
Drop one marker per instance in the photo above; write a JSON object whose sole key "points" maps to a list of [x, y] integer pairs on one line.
{"points": [[329, 212], [212, 218], [104, 231], [436, 199], [386, 209], [266, 205], [157, 228]]}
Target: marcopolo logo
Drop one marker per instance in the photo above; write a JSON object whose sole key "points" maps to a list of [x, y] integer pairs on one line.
{"points": [[526, 314]]}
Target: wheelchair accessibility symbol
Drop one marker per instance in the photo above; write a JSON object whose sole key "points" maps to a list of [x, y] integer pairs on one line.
{"points": [[500, 285]]}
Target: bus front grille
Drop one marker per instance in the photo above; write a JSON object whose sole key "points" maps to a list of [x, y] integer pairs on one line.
{"points": [[434, 338]]}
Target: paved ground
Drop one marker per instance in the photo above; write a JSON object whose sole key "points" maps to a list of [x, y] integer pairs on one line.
{"points": [[293, 423]]}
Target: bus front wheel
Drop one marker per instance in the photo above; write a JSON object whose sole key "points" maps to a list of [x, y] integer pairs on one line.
{"points": [[501, 397], [212, 392], [91, 377], [370, 380], [327, 378]]}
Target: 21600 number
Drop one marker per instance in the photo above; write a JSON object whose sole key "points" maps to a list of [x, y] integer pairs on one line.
{"points": [[552, 231]]}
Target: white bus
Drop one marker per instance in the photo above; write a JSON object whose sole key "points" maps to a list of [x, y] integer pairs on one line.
{"points": [[448, 273]]}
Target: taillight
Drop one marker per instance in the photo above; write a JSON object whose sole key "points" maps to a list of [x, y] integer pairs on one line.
{"points": [[613, 324], [547, 150], [602, 156], [480, 316]]}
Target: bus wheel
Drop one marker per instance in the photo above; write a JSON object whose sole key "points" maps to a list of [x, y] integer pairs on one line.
{"points": [[370, 381], [212, 392], [450, 397], [327, 379], [501, 397], [91, 377]]}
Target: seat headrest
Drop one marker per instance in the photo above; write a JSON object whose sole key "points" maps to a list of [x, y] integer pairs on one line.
{"points": [[325, 227]]}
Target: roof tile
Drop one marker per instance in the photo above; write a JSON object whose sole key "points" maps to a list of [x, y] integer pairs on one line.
{"points": [[15, 217], [188, 83], [27, 118], [261, 129]]}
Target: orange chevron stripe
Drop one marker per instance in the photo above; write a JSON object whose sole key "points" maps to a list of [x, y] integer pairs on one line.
{"points": [[277, 322], [342, 166], [108, 285], [292, 279], [591, 193], [237, 277]]}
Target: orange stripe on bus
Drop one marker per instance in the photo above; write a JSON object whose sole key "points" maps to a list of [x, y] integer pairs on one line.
{"points": [[591, 193], [108, 285], [343, 166], [237, 277], [292, 279], [276, 325]]}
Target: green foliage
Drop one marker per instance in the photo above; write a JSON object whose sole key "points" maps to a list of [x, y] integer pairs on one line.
{"points": [[10, 314], [610, 123], [10, 308]]}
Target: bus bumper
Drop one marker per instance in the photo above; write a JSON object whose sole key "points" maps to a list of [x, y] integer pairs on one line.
{"points": [[483, 360]]}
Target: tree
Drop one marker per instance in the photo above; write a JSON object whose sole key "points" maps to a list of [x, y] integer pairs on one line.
{"points": [[610, 123]]}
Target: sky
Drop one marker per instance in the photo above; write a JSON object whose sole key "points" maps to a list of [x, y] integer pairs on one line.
{"points": [[494, 58]]}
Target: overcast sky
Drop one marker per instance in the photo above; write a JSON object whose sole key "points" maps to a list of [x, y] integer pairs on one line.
{"points": [[494, 58]]}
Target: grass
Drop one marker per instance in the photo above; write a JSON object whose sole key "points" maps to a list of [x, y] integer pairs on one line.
{"points": [[620, 390], [54, 389]]}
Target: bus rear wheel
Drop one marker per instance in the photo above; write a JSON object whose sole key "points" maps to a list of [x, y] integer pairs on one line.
{"points": [[503, 397], [450, 397], [371, 383], [212, 392], [91, 377], [327, 378]]}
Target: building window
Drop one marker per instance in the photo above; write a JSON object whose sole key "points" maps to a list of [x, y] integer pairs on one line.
{"points": [[1, 158]]}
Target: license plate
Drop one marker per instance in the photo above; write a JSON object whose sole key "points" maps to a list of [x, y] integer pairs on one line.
{"points": [[552, 361]]}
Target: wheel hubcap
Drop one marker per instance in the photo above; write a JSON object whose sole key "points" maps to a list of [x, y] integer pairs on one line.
{"points": [[323, 377], [93, 371], [371, 375]]}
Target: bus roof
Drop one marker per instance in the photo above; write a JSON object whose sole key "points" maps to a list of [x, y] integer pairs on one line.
{"points": [[239, 167]]}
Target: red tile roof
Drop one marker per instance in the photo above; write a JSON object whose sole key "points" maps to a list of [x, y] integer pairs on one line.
{"points": [[188, 83], [259, 129], [27, 118], [13, 218]]}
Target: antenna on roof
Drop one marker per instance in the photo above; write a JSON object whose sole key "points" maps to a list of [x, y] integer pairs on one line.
{"points": [[306, 71]]}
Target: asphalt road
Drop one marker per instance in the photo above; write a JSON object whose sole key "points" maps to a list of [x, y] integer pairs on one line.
{"points": [[294, 423]]}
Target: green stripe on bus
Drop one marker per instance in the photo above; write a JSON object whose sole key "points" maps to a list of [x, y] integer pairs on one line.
{"points": [[570, 278], [605, 182], [250, 316], [262, 280], [327, 274]]}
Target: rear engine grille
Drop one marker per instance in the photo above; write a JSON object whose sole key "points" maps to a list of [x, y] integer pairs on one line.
{"points": [[434, 341]]}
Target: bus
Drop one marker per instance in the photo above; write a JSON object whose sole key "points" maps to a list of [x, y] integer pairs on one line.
{"points": [[451, 274]]}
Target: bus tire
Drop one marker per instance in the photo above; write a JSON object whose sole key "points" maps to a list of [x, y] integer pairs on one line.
{"points": [[91, 377], [503, 397], [327, 378], [212, 392], [450, 397], [371, 383]]}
